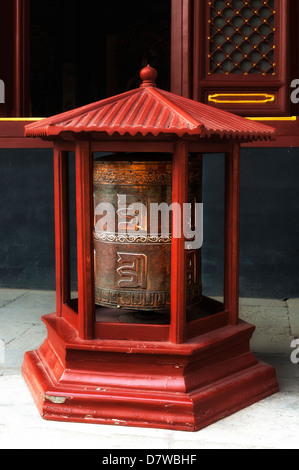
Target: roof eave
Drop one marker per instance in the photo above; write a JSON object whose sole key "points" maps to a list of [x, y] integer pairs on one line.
{"points": [[48, 131]]}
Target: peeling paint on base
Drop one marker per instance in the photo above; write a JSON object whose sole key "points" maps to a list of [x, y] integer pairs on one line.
{"points": [[54, 399]]}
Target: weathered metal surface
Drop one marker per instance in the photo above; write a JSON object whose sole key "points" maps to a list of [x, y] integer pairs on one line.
{"points": [[132, 266]]}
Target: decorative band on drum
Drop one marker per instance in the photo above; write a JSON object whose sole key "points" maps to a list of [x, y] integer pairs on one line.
{"points": [[131, 299], [128, 177], [126, 238]]}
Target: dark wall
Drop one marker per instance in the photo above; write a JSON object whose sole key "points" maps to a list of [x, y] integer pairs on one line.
{"points": [[82, 52], [269, 229], [269, 223], [26, 219]]}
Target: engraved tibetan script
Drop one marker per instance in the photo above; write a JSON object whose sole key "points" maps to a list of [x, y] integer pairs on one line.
{"points": [[132, 270]]}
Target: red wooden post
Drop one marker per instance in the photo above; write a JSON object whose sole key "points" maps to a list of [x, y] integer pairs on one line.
{"points": [[177, 332], [231, 239], [84, 198], [181, 58], [17, 83], [61, 198], [21, 57]]}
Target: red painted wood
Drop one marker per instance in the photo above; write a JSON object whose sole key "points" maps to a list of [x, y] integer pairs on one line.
{"points": [[198, 48], [181, 52], [12, 135], [176, 53], [286, 142], [129, 331], [177, 332], [212, 317], [12, 127], [163, 114], [175, 376], [61, 206], [18, 54], [66, 146], [132, 383], [22, 143], [60, 333], [294, 47], [84, 199], [231, 239], [203, 325], [287, 134], [130, 145], [204, 83], [70, 314], [21, 58]]}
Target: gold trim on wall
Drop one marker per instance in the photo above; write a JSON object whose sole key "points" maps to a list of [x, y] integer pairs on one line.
{"points": [[21, 119], [251, 98], [278, 118]]}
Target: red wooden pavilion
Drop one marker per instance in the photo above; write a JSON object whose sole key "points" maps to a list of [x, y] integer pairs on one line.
{"points": [[182, 375]]}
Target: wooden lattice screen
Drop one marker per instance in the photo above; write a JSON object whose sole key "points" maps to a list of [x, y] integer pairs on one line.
{"points": [[242, 37]]}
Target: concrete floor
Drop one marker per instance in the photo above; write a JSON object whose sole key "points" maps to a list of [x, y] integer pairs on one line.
{"points": [[272, 423]]}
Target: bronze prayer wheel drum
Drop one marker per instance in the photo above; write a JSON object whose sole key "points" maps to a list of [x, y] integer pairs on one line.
{"points": [[132, 265]]}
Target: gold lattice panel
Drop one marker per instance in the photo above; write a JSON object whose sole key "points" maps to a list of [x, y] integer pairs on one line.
{"points": [[242, 37]]}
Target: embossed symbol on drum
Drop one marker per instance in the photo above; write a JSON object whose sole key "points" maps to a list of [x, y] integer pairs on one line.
{"points": [[133, 270]]}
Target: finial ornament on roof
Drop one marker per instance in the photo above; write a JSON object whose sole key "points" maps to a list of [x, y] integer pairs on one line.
{"points": [[148, 76]]}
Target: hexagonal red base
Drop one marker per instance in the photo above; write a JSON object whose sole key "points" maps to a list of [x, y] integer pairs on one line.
{"points": [[149, 384]]}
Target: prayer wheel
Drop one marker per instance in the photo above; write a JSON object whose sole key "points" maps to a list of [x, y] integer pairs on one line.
{"points": [[132, 234]]}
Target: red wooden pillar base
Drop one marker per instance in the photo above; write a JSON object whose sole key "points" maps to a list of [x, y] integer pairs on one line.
{"points": [[150, 384]]}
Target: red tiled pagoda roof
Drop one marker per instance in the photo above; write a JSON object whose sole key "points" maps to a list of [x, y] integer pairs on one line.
{"points": [[150, 110]]}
